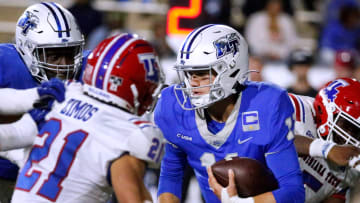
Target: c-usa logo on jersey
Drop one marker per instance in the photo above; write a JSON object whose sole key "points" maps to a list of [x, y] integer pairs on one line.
{"points": [[226, 45], [28, 22], [331, 90]]}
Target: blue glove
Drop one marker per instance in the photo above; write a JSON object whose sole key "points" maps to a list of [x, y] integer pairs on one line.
{"points": [[49, 91], [53, 88], [38, 115]]}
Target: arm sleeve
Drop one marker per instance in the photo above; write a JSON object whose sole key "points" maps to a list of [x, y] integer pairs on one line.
{"points": [[18, 134], [174, 160], [172, 171], [147, 143], [281, 156], [17, 101]]}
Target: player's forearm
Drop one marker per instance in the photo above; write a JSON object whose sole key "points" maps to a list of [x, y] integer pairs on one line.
{"points": [[302, 145], [267, 197], [168, 198], [18, 134], [127, 180], [17, 101]]}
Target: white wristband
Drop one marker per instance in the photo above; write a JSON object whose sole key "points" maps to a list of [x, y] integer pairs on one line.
{"points": [[320, 148], [353, 161], [234, 199]]}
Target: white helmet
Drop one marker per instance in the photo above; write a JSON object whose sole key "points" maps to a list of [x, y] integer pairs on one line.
{"points": [[48, 26], [217, 48]]}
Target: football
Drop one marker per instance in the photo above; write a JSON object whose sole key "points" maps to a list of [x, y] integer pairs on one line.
{"points": [[251, 176]]}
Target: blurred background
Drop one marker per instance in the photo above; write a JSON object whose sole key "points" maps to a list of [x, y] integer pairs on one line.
{"points": [[297, 44]]}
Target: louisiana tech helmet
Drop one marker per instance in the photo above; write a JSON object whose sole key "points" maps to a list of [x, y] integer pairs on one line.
{"points": [[337, 107], [123, 70]]}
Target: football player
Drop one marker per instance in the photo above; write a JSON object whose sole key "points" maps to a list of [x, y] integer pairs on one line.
{"points": [[48, 44], [96, 138], [327, 139], [216, 113]]}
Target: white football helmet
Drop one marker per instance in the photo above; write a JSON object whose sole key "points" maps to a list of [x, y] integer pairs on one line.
{"points": [[45, 27], [219, 49]]}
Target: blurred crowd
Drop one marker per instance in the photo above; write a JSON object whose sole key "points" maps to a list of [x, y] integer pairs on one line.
{"points": [[325, 34]]}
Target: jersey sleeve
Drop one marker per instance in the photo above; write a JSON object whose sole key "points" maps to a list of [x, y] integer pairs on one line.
{"points": [[172, 171], [303, 115], [17, 101], [147, 143], [18, 134], [174, 160], [281, 156]]}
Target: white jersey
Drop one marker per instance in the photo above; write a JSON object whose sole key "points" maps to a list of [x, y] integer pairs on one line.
{"points": [[71, 155], [321, 178]]}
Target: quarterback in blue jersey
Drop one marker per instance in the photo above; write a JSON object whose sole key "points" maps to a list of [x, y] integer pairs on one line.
{"points": [[48, 44], [216, 113]]}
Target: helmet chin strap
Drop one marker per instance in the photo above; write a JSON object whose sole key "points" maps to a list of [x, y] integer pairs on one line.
{"points": [[136, 101]]}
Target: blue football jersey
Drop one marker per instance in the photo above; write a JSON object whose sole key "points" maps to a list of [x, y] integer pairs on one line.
{"points": [[260, 127], [15, 74]]}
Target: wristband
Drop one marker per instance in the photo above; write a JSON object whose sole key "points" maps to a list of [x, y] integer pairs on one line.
{"points": [[320, 148], [234, 199], [353, 161]]}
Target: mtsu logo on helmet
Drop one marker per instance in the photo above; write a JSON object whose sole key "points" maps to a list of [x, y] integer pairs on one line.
{"points": [[331, 91], [28, 22], [226, 45]]}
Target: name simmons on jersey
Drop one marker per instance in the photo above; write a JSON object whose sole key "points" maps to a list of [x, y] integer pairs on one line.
{"points": [[79, 110]]}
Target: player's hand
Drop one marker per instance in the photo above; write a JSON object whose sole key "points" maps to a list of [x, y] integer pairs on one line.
{"points": [[38, 115], [53, 88], [217, 188], [341, 154]]}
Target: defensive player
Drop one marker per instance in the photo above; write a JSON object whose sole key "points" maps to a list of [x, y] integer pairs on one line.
{"points": [[95, 138], [48, 44], [215, 113], [329, 141]]}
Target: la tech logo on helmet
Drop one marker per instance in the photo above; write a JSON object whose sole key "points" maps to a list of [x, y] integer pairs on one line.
{"points": [[226, 45], [331, 91], [151, 66]]}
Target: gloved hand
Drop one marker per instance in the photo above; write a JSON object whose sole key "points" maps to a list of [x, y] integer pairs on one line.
{"points": [[48, 91], [54, 88], [38, 115]]}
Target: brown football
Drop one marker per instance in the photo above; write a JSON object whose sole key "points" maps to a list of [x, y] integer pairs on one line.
{"points": [[251, 176]]}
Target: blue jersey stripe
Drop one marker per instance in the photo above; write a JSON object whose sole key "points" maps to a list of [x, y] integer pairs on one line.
{"points": [[193, 39], [63, 16], [56, 18], [106, 60]]}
